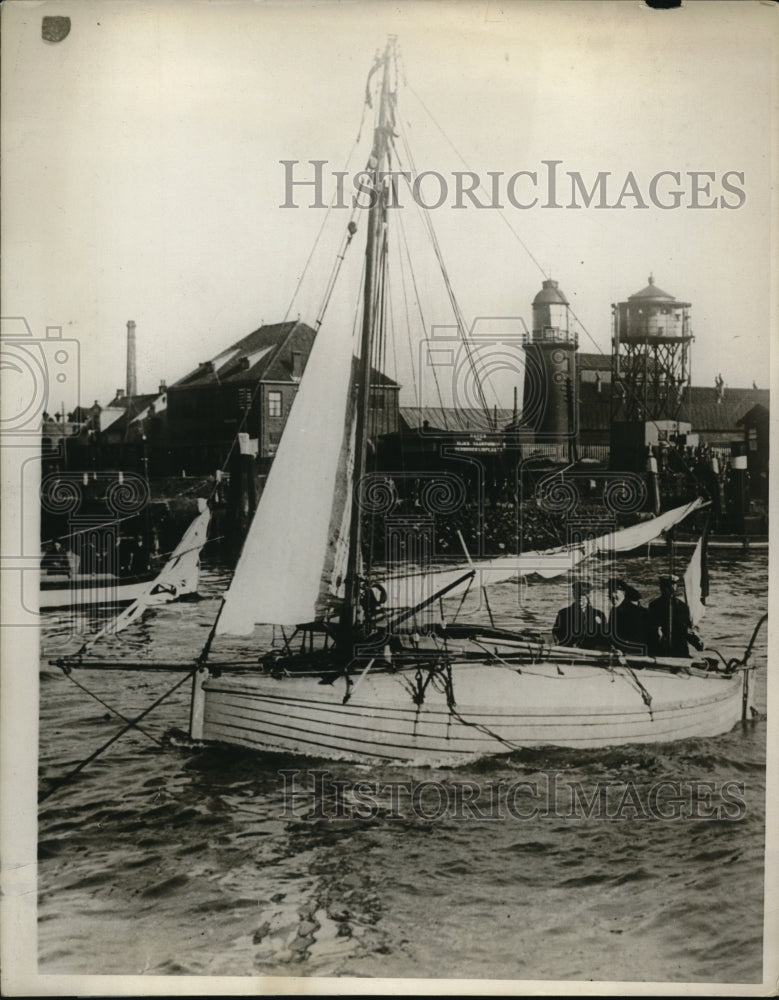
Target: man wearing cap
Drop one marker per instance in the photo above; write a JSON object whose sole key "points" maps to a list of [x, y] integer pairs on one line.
{"points": [[627, 626], [670, 627], [580, 624]]}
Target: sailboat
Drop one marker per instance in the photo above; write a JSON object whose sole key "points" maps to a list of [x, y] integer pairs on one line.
{"points": [[87, 592], [372, 672]]}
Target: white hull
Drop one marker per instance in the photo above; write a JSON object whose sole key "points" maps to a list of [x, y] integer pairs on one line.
{"points": [[497, 710], [91, 592], [179, 576]]}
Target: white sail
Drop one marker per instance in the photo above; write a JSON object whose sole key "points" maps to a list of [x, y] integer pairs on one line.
{"points": [[641, 534], [692, 584], [180, 575], [285, 573], [412, 588]]}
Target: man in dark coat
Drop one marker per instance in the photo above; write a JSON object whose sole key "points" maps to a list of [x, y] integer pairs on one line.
{"points": [[580, 624], [628, 621], [670, 626]]}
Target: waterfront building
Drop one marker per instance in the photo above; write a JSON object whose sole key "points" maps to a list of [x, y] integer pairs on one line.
{"points": [[249, 388]]}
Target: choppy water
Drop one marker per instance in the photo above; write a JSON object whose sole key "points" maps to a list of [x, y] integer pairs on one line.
{"points": [[161, 859]]}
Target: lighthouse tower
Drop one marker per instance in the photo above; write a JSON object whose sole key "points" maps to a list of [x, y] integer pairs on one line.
{"points": [[549, 401]]}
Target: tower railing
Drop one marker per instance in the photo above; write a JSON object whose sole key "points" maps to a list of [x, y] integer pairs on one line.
{"points": [[550, 335]]}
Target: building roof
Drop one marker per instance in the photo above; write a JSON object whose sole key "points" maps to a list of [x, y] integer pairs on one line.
{"points": [[138, 402], [706, 414], [550, 294], [699, 407], [756, 415], [651, 291], [593, 361], [381, 381], [264, 355], [445, 418]]}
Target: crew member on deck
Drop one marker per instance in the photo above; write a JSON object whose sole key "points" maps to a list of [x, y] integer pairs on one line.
{"points": [[670, 626], [627, 619], [580, 624]]}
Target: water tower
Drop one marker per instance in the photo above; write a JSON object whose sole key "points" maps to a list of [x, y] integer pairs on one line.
{"points": [[549, 399], [650, 369]]}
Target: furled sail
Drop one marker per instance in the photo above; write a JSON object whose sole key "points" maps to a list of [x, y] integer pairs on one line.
{"points": [[291, 558], [411, 588]]}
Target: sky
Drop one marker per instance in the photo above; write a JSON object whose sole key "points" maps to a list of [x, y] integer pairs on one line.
{"points": [[142, 176]]}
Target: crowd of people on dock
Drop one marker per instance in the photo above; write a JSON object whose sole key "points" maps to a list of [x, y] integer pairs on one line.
{"points": [[663, 628]]}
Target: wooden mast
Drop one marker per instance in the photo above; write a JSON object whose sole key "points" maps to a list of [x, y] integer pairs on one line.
{"points": [[376, 220]]}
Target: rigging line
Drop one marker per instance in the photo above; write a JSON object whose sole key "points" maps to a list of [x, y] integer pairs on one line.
{"points": [[351, 229], [379, 341], [462, 600], [646, 697], [425, 327], [412, 359], [388, 336], [459, 318], [67, 672], [330, 207], [393, 336], [92, 527], [524, 246], [131, 725], [310, 256], [480, 188], [401, 452], [374, 389], [478, 726], [633, 395]]}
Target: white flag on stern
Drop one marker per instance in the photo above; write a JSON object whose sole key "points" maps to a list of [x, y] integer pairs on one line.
{"points": [[695, 584]]}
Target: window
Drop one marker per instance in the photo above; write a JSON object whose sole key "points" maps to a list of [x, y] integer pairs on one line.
{"points": [[377, 401], [274, 404]]}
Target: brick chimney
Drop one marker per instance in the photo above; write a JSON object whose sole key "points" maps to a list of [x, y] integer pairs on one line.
{"points": [[132, 380]]}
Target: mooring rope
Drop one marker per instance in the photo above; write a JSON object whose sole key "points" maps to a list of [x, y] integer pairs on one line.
{"points": [[67, 671], [736, 663], [132, 724]]}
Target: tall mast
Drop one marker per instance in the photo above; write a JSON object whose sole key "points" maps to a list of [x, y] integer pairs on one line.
{"points": [[375, 229]]}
